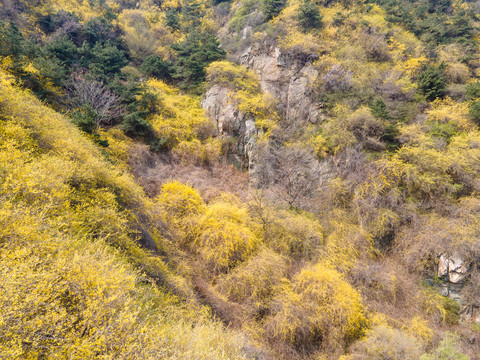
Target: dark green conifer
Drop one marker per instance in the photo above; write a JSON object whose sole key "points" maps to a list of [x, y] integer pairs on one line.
{"points": [[309, 15], [272, 8], [432, 82]]}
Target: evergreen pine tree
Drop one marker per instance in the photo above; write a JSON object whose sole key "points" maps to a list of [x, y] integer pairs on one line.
{"points": [[432, 82], [472, 90], [474, 112], [10, 40], [379, 109], [155, 66], [193, 55], [309, 15], [192, 14], [272, 8], [172, 19]]}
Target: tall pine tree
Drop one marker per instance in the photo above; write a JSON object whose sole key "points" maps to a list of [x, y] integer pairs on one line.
{"points": [[193, 55], [309, 15], [272, 8]]}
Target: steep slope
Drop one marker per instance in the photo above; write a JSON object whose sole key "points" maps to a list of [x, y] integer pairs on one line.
{"points": [[303, 172], [66, 291]]}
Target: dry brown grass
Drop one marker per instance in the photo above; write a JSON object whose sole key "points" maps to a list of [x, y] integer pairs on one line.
{"points": [[153, 170]]}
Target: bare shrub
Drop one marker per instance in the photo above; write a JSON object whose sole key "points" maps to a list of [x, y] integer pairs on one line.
{"points": [[66, 24], [385, 343], [337, 79], [386, 287], [341, 174], [379, 206], [375, 45], [457, 73], [472, 288], [190, 152]]}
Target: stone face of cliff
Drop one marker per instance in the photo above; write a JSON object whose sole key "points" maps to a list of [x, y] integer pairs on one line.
{"points": [[287, 79], [229, 121]]}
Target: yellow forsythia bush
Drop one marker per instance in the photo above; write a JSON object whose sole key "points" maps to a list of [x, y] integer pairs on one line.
{"points": [[180, 116], [317, 306], [119, 147], [223, 237], [190, 152], [180, 200], [254, 282], [180, 206], [228, 74], [294, 235]]}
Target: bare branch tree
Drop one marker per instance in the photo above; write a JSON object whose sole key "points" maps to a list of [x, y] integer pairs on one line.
{"points": [[83, 92], [296, 174], [66, 24], [293, 174], [260, 208]]}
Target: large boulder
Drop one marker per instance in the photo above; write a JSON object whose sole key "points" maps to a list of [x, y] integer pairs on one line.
{"points": [[442, 266], [457, 270], [453, 268], [222, 111]]}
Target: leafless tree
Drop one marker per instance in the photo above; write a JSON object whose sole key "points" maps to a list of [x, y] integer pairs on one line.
{"points": [[66, 24], [293, 174], [260, 208], [83, 92]]}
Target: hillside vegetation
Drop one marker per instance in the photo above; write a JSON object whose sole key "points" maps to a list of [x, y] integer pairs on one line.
{"points": [[196, 179]]}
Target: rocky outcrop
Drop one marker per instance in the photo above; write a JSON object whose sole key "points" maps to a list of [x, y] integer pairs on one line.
{"points": [[288, 79], [452, 268], [229, 121], [455, 272], [221, 110]]}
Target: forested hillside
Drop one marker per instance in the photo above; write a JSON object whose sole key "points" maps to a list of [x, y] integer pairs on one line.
{"points": [[209, 179]]}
